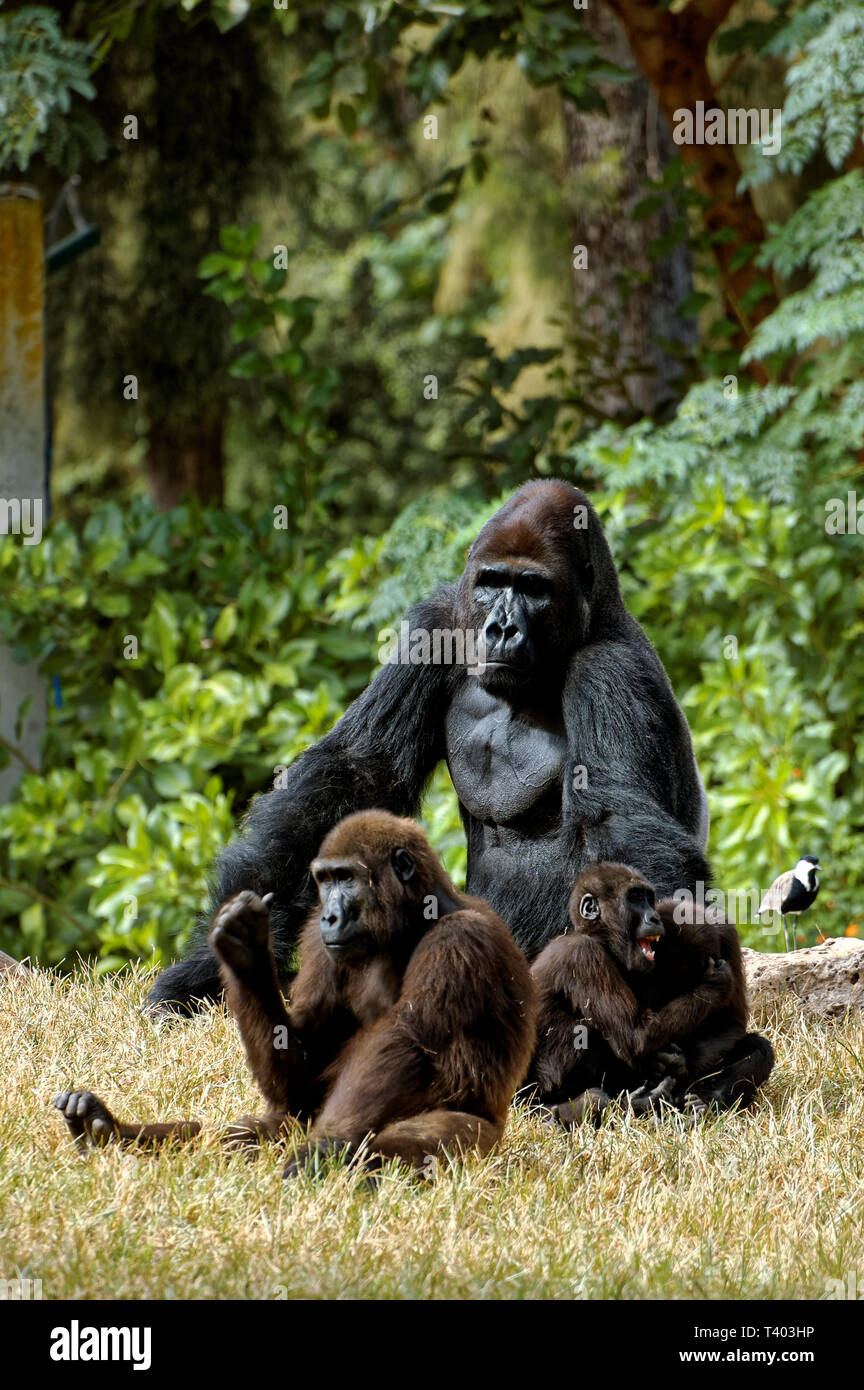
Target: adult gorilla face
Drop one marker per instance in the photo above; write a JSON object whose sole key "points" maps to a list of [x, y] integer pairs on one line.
{"points": [[528, 588], [519, 605]]}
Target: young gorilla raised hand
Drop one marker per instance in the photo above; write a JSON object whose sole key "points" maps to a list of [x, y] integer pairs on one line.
{"points": [[411, 1019], [632, 1002]]}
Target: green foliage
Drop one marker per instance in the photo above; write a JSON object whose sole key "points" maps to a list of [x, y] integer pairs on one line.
{"points": [[825, 102], [790, 433], [274, 328], [47, 58], [714, 415], [425, 546], [40, 72], [825, 237], [822, 43], [443, 824], [549, 42], [190, 655], [347, 415], [756, 613], [691, 224]]}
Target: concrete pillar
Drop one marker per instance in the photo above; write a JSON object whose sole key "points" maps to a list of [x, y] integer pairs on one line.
{"points": [[22, 444]]}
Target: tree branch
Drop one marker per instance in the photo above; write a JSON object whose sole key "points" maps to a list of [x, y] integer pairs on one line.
{"points": [[16, 753]]}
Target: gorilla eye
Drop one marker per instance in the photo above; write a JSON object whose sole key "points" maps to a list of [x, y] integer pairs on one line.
{"points": [[487, 579], [403, 864], [589, 908], [535, 586]]}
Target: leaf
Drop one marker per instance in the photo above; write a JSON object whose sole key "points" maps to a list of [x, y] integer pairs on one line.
{"points": [[292, 363], [218, 263], [226, 625], [692, 303], [164, 625], [250, 364], [347, 117], [172, 781], [240, 241]]}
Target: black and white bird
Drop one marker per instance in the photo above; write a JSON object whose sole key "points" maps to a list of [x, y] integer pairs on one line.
{"points": [[792, 893]]}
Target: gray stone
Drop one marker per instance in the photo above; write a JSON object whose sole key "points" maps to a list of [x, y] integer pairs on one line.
{"points": [[828, 979]]}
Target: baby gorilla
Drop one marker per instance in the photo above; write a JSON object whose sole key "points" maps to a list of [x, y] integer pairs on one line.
{"points": [[633, 1003], [411, 1020]]}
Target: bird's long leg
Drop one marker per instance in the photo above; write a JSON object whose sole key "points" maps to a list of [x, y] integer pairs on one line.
{"points": [[785, 929], [794, 933]]}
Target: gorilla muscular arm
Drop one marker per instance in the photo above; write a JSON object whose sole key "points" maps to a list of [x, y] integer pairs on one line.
{"points": [[380, 753], [642, 801]]}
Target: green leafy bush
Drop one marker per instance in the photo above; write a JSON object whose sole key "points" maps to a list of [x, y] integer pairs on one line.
{"points": [[189, 655], [756, 613]]}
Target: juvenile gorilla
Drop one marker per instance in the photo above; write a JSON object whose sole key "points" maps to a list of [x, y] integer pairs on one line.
{"points": [[411, 1020], [632, 1002], [565, 744]]}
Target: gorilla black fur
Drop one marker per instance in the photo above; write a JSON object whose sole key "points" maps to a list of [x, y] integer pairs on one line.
{"points": [[565, 745]]}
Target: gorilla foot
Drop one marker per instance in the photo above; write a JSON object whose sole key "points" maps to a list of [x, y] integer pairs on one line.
{"points": [[88, 1119]]}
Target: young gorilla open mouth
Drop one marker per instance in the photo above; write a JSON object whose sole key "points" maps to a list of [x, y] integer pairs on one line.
{"points": [[646, 945]]}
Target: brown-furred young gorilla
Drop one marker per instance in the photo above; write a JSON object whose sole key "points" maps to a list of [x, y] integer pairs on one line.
{"points": [[411, 1020], [564, 742], [634, 1003]]}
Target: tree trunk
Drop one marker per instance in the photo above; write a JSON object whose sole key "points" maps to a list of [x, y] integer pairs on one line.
{"points": [[626, 300], [671, 50], [185, 458], [23, 496]]}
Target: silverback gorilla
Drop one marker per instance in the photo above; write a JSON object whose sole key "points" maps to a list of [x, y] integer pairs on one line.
{"points": [[564, 742]]}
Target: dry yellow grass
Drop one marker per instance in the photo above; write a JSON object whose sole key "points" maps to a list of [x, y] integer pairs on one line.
{"points": [[763, 1205]]}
